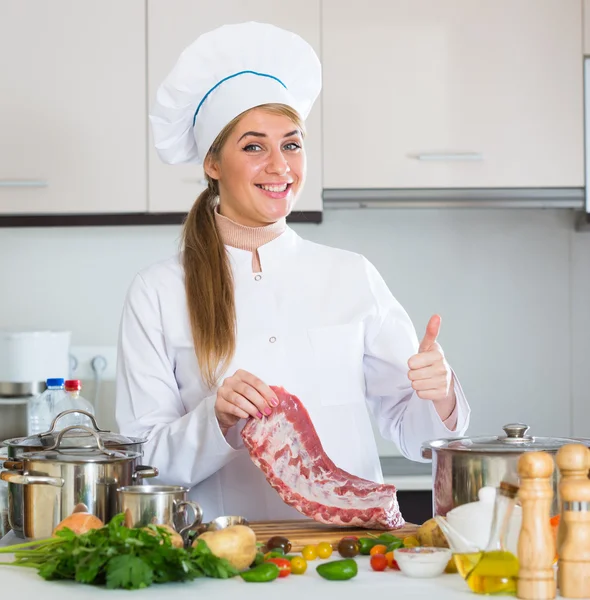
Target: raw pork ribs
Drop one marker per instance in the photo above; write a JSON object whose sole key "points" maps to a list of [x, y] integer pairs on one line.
{"points": [[288, 450]]}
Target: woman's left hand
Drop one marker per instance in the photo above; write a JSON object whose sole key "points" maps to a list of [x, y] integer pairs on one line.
{"points": [[430, 373]]}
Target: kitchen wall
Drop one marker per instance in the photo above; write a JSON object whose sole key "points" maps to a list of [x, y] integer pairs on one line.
{"points": [[512, 287]]}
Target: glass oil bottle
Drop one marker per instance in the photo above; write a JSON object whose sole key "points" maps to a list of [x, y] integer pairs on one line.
{"points": [[495, 570]]}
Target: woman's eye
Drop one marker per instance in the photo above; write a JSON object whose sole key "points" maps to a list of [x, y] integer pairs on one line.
{"points": [[292, 146], [252, 148]]}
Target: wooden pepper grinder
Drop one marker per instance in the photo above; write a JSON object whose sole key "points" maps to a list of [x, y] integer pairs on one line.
{"points": [[574, 559], [573, 461], [536, 546]]}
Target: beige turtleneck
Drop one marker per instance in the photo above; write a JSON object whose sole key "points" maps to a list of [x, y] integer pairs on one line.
{"points": [[248, 238]]}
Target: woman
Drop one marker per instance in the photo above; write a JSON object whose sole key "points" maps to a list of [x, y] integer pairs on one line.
{"points": [[249, 304]]}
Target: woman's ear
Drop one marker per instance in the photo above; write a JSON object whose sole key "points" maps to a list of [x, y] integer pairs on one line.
{"points": [[211, 167]]}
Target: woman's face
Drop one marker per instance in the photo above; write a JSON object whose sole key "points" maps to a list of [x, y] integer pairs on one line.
{"points": [[260, 170]]}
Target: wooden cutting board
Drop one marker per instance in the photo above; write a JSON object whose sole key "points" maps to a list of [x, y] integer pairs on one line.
{"points": [[304, 532]]}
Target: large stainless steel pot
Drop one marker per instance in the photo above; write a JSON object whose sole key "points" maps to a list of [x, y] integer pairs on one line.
{"points": [[462, 466], [56, 480]]}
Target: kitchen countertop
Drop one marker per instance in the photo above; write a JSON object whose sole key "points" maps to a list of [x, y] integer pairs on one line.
{"points": [[388, 584]]}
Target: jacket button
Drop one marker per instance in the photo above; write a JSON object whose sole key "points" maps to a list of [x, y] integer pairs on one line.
{"points": [[258, 277], [272, 340]]}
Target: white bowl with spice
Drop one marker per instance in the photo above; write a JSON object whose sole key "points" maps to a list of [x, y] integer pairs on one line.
{"points": [[422, 561]]}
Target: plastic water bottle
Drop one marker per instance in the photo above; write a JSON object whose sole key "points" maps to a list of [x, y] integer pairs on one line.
{"points": [[72, 400], [41, 408]]}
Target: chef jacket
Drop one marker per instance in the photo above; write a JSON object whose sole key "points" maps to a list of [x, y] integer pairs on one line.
{"points": [[316, 320]]}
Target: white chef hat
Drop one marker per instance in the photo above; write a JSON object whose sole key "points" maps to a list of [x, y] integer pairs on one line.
{"points": [[224, 73]]}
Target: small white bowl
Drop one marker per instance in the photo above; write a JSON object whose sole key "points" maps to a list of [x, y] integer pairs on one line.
{"points": [[422, 561]]}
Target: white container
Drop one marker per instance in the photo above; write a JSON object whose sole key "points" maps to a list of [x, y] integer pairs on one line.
{"points": [[34, 356], [422, 562]]}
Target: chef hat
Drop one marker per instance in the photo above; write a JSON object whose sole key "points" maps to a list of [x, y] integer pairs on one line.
{"points": [[224, 73]]}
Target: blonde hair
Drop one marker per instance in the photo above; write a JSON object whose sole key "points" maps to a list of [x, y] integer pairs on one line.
{"points": [[209, 283]]}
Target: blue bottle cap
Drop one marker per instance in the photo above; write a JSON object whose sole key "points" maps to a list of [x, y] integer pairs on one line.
{"points": [[55, 382]]}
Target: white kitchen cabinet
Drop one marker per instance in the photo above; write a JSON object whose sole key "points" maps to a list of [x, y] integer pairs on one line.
{"points": [[452, 93], [175, 24], [72, 107]]}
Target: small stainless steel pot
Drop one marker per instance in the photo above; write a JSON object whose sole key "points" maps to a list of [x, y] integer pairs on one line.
{"points": [[159, 505], [73, 439], [462, 466], [56, 480]]}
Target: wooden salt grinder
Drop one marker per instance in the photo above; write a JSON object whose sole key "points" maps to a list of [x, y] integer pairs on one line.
{"points": [[574, 560], [536, 546], [573, 461]]}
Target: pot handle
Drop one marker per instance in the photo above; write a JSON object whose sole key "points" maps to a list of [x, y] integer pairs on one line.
{"points": [[12, 465], [427, 452], [13, 477], [69, 412], [198, 514], [144, 471], [92, 432]]}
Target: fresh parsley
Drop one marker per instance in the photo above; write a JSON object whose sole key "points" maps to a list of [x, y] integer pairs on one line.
{"points": [[118, 557]]}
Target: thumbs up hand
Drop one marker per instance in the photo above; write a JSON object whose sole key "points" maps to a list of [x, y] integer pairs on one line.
{"points": [[430, 374]]}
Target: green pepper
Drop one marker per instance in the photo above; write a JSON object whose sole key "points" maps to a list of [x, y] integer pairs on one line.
{"points": [[258, 560], [395, 545], [388, 538], [338, 570], [365, 545], [277, 553], [261, 573]]}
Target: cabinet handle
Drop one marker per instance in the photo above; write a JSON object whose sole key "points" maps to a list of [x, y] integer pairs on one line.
{"points": [[450, 156], [11, 183]]}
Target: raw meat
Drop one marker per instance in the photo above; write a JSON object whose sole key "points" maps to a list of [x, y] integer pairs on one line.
{"points": [[286, 447]]}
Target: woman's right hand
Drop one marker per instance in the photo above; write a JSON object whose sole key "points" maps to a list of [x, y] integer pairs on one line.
{"points": [[241, 396]]}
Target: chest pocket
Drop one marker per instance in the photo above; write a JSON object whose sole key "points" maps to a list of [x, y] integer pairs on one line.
{"points": [[337, 355]]}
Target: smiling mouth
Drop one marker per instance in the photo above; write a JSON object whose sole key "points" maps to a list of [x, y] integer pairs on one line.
{"points": [[277, 188]]}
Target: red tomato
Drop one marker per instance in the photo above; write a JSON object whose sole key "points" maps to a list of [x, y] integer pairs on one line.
{"points": [[378, 562], [284, 565]]}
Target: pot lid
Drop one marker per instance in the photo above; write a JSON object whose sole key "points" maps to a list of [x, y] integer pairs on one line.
{"points": [[81, 455], [98, 453], [74, 438], [516, 441]]}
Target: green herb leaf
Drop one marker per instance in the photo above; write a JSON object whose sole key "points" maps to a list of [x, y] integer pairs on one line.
{"points": [[128, 572]]}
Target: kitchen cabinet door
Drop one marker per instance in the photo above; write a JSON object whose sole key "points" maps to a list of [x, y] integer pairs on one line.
{"points": [[452, 93], [175, 24], [72, 107]]}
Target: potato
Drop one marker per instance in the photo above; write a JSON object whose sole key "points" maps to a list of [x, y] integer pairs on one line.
{"points": [[237, 544], [430, 534], [175, 537], [79, 522]]}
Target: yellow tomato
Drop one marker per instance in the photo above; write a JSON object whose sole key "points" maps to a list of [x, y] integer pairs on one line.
{"points": [[310, 552], [298, 565], [324, 550], [411, 542]]}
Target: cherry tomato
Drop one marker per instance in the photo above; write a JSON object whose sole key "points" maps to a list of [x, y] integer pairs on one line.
{"points": [[283, 564], [378, 549], [281, 542], [324, 550], [298, 565], [391, 562], [348, 548], [310, 552], [378, 562]]}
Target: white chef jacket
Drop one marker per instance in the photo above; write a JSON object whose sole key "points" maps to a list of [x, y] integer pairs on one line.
{"points": [[318, 321]]}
